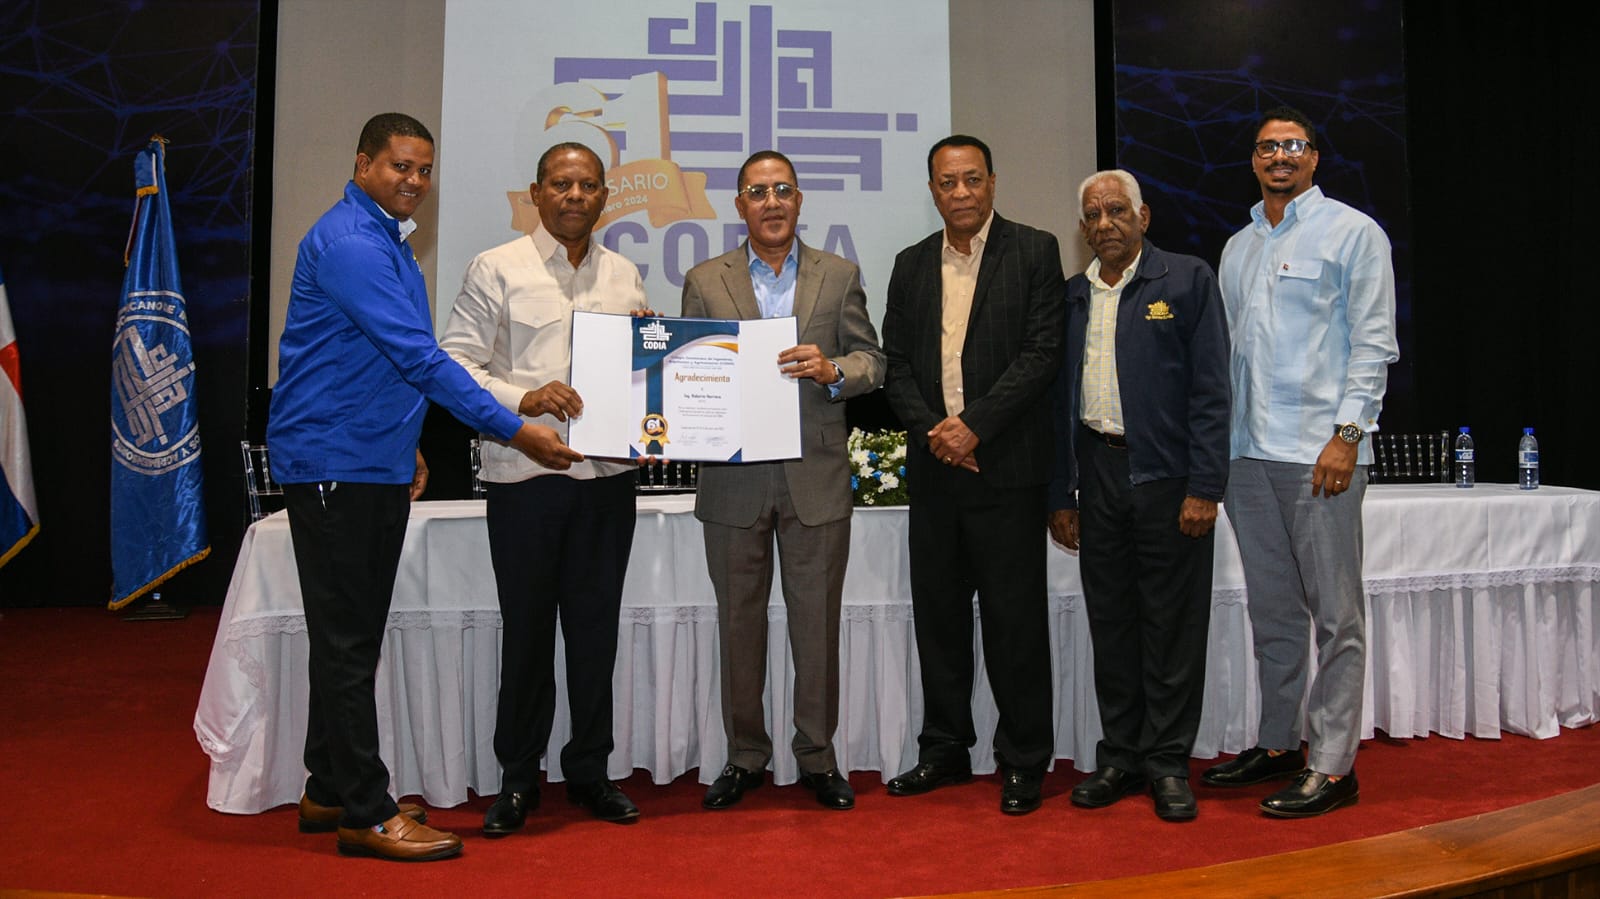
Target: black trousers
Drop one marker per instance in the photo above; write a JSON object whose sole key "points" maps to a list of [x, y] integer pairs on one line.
{"points": [[966, 538], [347, 540], [1147, 588], [558, 545]]}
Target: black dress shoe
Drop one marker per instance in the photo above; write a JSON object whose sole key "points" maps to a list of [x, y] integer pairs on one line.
{"points": [[832, 790], [1174, 799], [1253, 766], [730, 785], [603, 800], [1106, 786], [1019, 792], [509, 811], [1311, 795], [928, 776]]}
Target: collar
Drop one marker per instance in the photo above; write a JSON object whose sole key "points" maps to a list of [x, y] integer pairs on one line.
{"points": [[1093, 272], [1291, 212], [397, 229], [979, 240], [791, 259], [548, 247]]}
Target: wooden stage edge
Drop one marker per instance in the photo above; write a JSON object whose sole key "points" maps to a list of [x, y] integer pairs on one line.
{"points": [[1545, 849]]}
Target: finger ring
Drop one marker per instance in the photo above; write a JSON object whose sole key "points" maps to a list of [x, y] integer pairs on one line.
{"points": [[947, 460]]}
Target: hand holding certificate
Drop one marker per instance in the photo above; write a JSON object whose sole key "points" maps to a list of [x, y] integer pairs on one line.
{"points": [[689, 389]]}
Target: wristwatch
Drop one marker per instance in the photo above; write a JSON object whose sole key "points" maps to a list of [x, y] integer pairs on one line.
{"points": [[1350, 433]]}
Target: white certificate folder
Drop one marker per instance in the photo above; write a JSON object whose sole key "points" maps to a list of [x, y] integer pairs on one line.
{"points": [[695, 389]]}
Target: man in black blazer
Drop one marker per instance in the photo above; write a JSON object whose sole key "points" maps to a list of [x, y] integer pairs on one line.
{"points": [[973, 334]]}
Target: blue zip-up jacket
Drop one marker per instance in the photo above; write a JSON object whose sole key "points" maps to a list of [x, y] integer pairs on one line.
{"points": [[1172, 365], [358, 361]]}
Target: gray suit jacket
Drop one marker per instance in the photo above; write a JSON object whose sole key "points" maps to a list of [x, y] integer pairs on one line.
{"points": [[830, 309]]}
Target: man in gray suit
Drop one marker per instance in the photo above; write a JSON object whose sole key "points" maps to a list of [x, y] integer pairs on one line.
{"points": [[804, 503]]}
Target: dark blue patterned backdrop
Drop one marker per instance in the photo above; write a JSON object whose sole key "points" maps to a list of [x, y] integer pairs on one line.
{"points": [[83, 86], [1192, 78]]}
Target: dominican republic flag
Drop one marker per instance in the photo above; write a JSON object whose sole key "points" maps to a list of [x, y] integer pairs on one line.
{"points": [[158, 517], [19, 510]]}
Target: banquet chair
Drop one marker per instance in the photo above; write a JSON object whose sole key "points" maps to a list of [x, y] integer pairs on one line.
{"points": [[1410, 458], [263, 495]]}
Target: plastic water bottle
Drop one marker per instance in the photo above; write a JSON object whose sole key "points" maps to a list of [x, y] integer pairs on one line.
{"points": [[1466, 462], [1528, 461]]}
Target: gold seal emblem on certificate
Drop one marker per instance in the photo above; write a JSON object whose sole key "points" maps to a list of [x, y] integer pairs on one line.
{"points": [[653, 427]]}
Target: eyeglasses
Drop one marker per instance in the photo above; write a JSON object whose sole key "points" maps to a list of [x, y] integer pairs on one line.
{"points": [[1292, 147], [783, 190]]}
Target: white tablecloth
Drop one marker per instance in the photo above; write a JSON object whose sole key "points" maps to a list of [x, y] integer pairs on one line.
{"points": [[1481, 619]]}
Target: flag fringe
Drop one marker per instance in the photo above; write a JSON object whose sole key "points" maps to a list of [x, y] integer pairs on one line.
{"points": [[117, 604], [17, 547]]}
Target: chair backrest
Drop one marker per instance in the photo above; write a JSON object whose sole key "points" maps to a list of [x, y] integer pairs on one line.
{"points": [[1410, 458], [657, 476], [654, 476], [262, 494], [475, 456]]}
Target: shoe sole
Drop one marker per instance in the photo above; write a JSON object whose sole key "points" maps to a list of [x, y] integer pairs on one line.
{"points": [[1286, 775], [1185, 815], [618, 819], [1280, 813], [1016, 812], [500, 831], [357, 850], [1085, 803], [731, 802], [948, 781]]}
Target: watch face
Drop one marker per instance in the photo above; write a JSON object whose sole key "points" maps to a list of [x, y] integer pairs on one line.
{"points": [[1350, 433]]}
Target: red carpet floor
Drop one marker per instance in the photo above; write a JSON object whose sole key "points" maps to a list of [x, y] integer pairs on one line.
{"points": [[104, 787]]}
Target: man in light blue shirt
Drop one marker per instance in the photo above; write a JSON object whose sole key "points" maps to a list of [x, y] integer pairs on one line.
{"points": [[1309, 291], [800, 507]]}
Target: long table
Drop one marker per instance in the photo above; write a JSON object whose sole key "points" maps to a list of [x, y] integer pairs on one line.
{"points": [[1481, 610]]}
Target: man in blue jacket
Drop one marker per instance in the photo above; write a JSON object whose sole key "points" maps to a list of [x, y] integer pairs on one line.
{"points": [[358, 364], [1141, 416]]}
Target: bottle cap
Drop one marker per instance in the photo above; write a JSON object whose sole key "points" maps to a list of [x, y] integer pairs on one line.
{"points": [[1528, 431], [1463, 429]]}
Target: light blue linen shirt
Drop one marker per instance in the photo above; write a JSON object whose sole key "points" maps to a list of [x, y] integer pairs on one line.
{"points": [[1310, 308], [775, 289]]}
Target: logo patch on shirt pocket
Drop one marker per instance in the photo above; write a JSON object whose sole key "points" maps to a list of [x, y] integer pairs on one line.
{"points": [[1159, 311], [1308, 269]]}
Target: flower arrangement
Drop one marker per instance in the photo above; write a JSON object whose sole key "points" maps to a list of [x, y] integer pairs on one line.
{"points": [[878, 467]]}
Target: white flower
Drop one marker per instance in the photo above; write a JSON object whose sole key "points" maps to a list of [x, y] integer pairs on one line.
{"points": [[858, 458], [889, 481]]}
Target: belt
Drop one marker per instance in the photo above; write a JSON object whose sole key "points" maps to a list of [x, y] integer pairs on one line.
{"points": [[1115, 441]]}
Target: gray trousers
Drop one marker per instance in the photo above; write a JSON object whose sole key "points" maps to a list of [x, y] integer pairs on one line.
{"points": [[811, 565], [1302, 575]]}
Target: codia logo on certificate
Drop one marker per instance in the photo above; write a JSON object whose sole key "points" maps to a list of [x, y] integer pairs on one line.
{"points": [[654, 336]]}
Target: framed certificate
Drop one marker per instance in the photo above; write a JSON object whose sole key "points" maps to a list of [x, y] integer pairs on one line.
{"points": [[693, 389]]}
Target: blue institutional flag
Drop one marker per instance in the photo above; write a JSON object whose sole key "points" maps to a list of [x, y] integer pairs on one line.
{"points": [[158, 520], [19, 512]]}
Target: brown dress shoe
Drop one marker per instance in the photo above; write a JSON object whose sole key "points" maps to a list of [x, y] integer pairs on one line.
{"points": [[399, 839], [316, 818]]}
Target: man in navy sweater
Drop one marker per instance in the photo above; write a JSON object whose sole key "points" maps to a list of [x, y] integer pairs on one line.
{"points": [[1141, 415], [358, 364]]}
